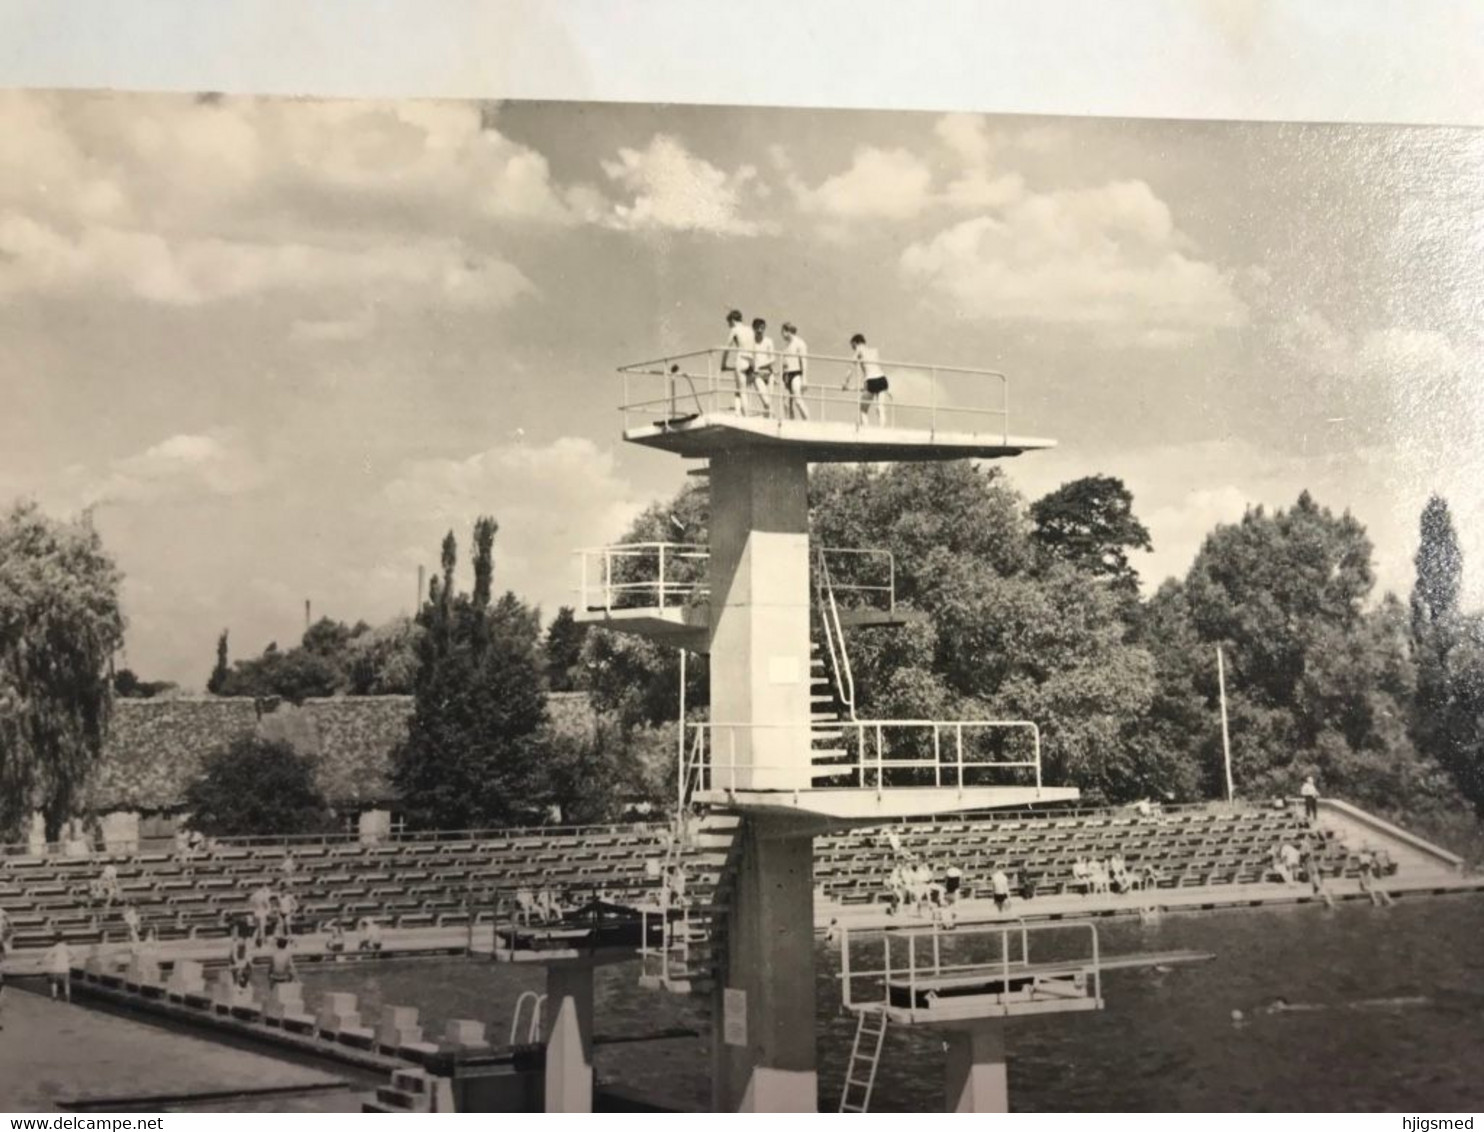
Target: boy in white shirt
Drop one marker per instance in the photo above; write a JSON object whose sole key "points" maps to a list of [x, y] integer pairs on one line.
{"points": [[873, 379], [795, 373], [57, 963], [762, 355]]}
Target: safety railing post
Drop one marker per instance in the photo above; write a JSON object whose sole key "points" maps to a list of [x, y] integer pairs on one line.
{"points": [[845, 967], [607, 580], [1036, 736], [662, 576], [880, 757], [911, 974], [886, 969], [937, 756], [860, 755], [959, 752], [933, 399]]}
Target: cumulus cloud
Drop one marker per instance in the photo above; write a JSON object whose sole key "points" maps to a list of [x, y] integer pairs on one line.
{"points": [[173, 162], [1110, 255], [186, 272], [549, 499], [670, 188], [180, 201], [889, 184], [182, 466]]}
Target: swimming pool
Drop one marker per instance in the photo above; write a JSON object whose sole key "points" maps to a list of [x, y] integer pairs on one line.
{"points": [[1398, 1022]]}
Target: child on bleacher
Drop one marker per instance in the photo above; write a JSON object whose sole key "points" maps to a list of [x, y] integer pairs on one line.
{"points": [[335, 944], [288, 904], [370, 932], [131, 922]]}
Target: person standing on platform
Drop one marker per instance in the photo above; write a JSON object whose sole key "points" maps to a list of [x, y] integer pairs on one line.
{"points": [[795, 373], [736, 359], [874, 384], [1310, 794], [764, 358]]}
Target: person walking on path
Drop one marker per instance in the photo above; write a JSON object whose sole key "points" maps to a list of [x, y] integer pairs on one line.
{"points": [[57, 963], [1310, 794]]}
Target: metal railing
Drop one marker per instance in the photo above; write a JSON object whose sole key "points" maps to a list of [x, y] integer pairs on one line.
{"points": [[921, 395], [876, 754], [834, 635], [643, 575], [919, 957], [672, 575]]}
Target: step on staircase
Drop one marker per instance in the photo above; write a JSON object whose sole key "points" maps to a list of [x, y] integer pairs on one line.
{"points": [[694, 931], [833, 762], [411, 1090]]}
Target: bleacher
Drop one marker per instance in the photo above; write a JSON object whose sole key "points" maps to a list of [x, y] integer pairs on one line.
{"points": [[404, 884], [448, 881], [1188, 847]]}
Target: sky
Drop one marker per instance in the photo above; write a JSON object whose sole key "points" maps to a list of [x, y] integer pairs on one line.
{"points": [[280, 346]]}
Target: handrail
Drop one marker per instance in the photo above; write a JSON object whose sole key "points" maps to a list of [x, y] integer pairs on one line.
{"points": [[933, 966], [699, 378], [870, 748], [834, 635]]}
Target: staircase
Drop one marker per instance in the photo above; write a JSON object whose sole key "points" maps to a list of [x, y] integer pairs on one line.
{"points": [[693, 923], [865, 1058], [832, 687]]}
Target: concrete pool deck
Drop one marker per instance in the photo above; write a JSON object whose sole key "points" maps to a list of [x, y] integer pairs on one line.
{"points": [[60, 1056]]}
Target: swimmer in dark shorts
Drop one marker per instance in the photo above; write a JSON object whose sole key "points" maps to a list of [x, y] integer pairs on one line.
{"points": [[874, 384]]}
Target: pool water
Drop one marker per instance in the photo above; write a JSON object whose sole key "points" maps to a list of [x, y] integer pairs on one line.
{"points": [[1397, 1021]]}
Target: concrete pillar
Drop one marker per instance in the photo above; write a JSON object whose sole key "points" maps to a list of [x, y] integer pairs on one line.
{"points": [[975, 1080], [569, 1045], [764, 1058], [759, 577]]}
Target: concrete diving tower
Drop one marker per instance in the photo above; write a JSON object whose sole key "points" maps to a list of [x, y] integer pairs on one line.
{"points": [[788, 759]]}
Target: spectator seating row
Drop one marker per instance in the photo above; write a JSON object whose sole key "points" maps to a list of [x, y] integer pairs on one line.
{"points": [[403, 884], [1187, 848]]}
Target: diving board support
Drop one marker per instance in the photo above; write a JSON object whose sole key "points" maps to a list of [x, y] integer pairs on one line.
{"points": [[975, 1078], [569, 1045]]}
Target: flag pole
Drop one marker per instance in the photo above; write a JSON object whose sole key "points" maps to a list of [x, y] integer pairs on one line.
{"points": [[1226, 741]]}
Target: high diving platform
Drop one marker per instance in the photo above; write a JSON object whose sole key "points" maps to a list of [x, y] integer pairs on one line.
{"points": [[700, 435], [694, 406]]}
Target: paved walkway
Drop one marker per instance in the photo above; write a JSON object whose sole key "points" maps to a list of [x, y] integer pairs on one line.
{"points": [[55, 1053]]}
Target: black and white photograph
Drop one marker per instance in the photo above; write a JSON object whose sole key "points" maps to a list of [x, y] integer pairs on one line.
{"points": [[516, 605]]}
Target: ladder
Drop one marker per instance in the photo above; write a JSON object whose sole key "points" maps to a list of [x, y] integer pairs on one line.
{"points": [[865, 1057]]}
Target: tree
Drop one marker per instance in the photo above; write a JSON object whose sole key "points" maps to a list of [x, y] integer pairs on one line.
{"points": [[1316, 682], [60, 626], [257, 787], [1439, 563], [1090, 524], [471, 756], [127, 685], [383, 660], [1439, 727], [565, 637], [219, 674]]}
